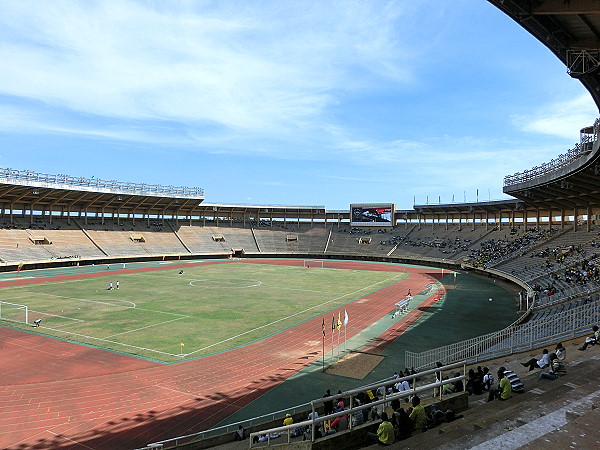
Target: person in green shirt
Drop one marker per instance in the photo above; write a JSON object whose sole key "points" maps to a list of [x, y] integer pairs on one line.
{"points": [[418, 414], [505, 389], [385, 432]]}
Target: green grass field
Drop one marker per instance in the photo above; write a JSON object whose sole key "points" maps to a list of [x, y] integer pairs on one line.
{"points": [[209, 308]]}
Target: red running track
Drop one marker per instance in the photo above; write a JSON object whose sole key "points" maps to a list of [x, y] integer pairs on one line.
{"points": [[66, 396]]}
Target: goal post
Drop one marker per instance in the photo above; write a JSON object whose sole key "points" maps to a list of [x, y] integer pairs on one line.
{"points": [[14, 312], [309, 263]]}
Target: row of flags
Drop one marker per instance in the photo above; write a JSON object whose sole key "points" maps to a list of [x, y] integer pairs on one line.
{"points": [[339, 323]]}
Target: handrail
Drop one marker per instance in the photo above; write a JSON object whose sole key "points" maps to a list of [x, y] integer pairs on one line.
{"points": [[310, 405], [29, 175], [557, 163], [515, 338], [387, 398]]}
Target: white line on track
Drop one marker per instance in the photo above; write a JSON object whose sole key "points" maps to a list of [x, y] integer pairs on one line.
{"points": [[60, 436]]}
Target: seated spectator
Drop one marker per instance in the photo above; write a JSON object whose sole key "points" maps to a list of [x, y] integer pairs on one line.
{"points": [[557, 369], [458, 384], [402, 386], [357, 416], [385, 432], [504, 387], [340, 423], [447, 388], [403, 425], [513, 378], [473, 383], [240, 433], [591, 340], [307, 433], [538, 364], [418, 415], [488, 380], [327, 428], [288, 420], [561, 352], [377, 410]]}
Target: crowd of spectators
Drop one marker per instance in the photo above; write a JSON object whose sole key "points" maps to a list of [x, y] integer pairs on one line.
{"points": [[513, 243]]}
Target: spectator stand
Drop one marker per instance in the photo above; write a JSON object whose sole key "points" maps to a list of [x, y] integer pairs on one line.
{"points": [[315, 422]]}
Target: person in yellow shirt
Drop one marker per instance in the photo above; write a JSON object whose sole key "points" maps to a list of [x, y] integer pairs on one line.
{"points": [[418, 414], [288, 420], [385, 432], [505, 389]]}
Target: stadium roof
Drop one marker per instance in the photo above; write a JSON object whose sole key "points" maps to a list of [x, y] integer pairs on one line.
{"points": [[569, 28]]}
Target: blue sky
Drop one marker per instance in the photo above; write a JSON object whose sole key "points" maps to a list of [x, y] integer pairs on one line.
{"points": [[284, 102]]}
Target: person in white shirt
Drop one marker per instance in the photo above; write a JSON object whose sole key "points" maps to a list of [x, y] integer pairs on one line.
{"points": [[542, 363]]}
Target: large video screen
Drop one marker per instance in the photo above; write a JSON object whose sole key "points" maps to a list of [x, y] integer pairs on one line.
{"points": [[372, 215]]}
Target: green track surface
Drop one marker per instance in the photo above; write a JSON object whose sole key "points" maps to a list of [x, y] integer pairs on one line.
{"points": [[208, 308]]}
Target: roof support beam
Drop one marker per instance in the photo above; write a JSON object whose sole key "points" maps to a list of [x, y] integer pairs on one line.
{"points": [[559, 7]]}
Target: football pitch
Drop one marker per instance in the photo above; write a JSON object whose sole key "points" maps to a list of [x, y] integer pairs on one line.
{"points": [[208, 308]]}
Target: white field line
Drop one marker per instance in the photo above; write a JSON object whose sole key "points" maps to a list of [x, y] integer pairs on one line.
{"points": [[56, 315], [122, 305], [74, 321], [112, 342], [293, 315], [119, 306], [147, 326], [294, 289], [14, 298], [218, 284]]}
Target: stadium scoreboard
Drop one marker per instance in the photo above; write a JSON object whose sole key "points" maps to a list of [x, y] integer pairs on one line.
{"points": [[372, 215]]}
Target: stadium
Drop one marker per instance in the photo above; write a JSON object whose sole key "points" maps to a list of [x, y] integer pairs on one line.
{"points": [[140, 315]]}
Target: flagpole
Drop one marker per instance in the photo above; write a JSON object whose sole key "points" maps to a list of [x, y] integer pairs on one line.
{"points": [[332, 333], [339, 330], [323, 329], [345, 329]]}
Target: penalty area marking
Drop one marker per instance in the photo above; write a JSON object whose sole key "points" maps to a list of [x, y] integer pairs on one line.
{"points": [[290, 316], [147, 326], [131, 304], [58, 316]]}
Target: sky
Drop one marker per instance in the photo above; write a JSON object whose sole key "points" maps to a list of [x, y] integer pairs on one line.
{"points": [[283, 102]]}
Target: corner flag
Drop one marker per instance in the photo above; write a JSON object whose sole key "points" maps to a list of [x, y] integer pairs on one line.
{"points": [[339, 322], [345, 318]]}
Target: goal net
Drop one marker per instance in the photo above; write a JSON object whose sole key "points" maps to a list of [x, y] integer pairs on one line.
{"points": [[14, 312], [310, 263]]}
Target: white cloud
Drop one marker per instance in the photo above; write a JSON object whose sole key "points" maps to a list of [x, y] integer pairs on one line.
{"points": [[258, 68], [563, 119]]}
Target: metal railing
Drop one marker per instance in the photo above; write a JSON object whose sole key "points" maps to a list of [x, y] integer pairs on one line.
{"points": [[513, 339], [28, 175], [315, 421], [381, 385], [584, 146]]}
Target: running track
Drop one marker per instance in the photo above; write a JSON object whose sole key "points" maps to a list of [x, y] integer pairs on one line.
{"points": [[66, 396]]}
